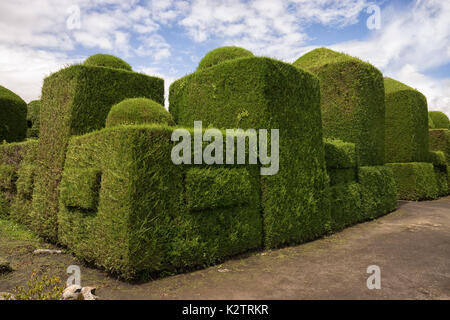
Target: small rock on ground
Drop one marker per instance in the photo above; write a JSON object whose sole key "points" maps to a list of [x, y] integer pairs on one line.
{"points": [[46, 251]]}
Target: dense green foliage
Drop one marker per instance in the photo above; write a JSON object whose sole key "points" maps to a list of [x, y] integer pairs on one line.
{"points": [[340, 155], [108, 61], [440, 141], [430, 122], [341, 160], [415, 180], [263, 93], [138, 111], [126, 207], [406, 123], [440, 120], [14, 158], [33, 116], [352, 101], [378, 191], [346, 206], [437, 158], [356, 193], [77, 100], [222, 54], [13, 114]]}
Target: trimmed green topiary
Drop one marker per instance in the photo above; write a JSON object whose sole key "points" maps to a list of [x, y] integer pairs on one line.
{"points": [[440, 120], [352, 101], [21, 205], [33, 115], [440, 141], [415, 180], [13, 157], [77, 100], [340, 155], [138, 111], [126, 207], [346, 206], [430, 122], [378, 191], [263, 93], [406, 123], [13, 114], [222, 54], [341, 160], [108, 61]]}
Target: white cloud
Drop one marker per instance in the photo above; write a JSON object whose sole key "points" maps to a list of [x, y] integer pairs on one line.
{"points": [[270, 28], [410, 43], [168, 79], [23, 70]]}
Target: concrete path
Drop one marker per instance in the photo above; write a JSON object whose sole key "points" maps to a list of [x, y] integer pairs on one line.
{"points": [[411, 246]]}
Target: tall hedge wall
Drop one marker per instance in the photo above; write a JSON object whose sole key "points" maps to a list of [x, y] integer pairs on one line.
{"points": [[378, 191], [33, 115], [406, 123], [440, 120], [74, 101], [13, 114], [263, 93], [415, 180], [126, 207], [440, 141], [13, 158], [352, 101], [357, 193]]}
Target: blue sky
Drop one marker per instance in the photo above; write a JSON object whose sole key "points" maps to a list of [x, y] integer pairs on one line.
{"points": [[168, 38]]}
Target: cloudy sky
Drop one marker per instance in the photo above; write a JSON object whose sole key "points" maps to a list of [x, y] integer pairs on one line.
{"points": [[410, 42]]}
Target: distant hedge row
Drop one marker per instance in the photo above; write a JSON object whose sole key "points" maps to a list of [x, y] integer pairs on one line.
{"points": [[351, 144]]}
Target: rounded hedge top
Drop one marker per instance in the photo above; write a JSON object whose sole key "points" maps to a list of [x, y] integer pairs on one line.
{"points": [[440, 120], [106, 60], [13, 110], [222, 54], [138, 111], [9, 95], [391, 86], [323, 56]]}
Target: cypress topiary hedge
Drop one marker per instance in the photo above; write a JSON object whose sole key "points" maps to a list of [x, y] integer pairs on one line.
{"points": [[440, 141], [13, 111], [21, 205], [430, 122], [440, 120], [13, 157], [415, 180], [222, 54], [108, 61], [378, 191], [341, 160], [437, 158], [33, 115], [352, 101], [263, 93], [357, 193], [138, 111], [77, 100], [406, 123], [126, 207]]}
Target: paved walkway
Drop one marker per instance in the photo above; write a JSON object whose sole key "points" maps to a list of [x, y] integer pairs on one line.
{"points": [[411, 246]]}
